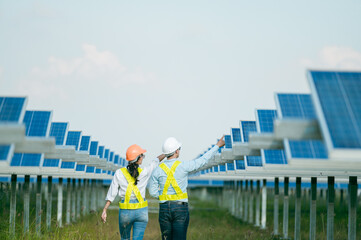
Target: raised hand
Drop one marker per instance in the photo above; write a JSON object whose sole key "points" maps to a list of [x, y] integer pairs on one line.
{"points": [[221, 142]]}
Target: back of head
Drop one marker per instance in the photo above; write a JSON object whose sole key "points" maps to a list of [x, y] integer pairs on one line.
{"points": [[170, 145]]}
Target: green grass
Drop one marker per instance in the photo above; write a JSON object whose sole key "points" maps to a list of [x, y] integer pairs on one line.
{"points": [[207, 221]]}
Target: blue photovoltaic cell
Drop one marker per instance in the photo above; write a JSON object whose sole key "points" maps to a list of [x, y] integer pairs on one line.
{"points": [[90, 169], [300, 106], [26, 160], [106, 154], [236, 135], [100, 151], [215, 169], [240, 165], [4, 152], [11, 109], [98, 171], [116, 159], [296, 106], [73, 139], [48, 162], [93, 148], [230, 166], [265, 121], [80, 167], [339, 96], [228, 141], [58, 131], [246, 128], [36, 125], [84, 144], [222, 168], [111, 157]]}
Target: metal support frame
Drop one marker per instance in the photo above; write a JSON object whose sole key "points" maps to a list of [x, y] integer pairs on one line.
{"points": [[264, 204], [38, 205], [49, 202], [73, 201], [285, 208], [78, 198], [12, 205], [59, 217], [250, 216], [258, 196], [68, 201], [26, 203], [246, 197], [313, 208], [276, 207], [298, 209], [352, 208], [330, 207]]}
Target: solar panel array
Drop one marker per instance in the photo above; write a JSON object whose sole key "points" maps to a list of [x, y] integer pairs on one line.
{"points": [[39, 130], [334, 106]]}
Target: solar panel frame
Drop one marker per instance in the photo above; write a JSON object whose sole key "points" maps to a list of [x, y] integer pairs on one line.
{"points": [[247, 127], [268, 156], [37, 124], [342, 104], [72, 139]]}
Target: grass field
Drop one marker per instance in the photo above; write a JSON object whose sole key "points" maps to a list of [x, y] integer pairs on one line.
{"points": [[207, 221]]}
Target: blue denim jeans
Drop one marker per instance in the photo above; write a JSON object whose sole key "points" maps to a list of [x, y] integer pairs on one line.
{"points": [[136, 218], [173, 220]]}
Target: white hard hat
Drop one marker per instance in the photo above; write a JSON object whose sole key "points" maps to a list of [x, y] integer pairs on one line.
{"points": [[170, 145]]}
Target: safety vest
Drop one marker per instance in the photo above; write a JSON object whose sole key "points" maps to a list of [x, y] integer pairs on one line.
{"points": [[132, 188], [171, 181]]}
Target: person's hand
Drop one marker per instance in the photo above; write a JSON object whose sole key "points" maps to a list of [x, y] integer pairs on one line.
{"points": [[161, 157], [221, 142], [104, 215]]}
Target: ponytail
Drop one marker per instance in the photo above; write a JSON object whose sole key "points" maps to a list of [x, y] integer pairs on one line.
{"points": [[133, 171]]}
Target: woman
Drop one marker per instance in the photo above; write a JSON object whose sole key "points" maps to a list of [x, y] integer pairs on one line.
{"points": [[130, 184]]}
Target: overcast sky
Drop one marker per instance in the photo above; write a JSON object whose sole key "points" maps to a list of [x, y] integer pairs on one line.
{"points": [[130, 72]]}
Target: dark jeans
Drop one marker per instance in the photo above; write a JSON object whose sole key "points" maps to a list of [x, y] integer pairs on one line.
{"points": [[173, 220]]}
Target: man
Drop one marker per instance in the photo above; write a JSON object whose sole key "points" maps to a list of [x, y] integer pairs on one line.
{"points": [[169, 183]]}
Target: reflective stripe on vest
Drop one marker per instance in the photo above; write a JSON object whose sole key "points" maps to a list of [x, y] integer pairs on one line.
{"points": [[171, 180], [132, 188]]}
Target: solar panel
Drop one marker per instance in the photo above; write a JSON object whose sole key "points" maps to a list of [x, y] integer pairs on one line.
{"points": [[228, 141], [116, 159], [58, 130], [85, 143], [265, 125], [236, 135], [93, 148], [246, 128], [337, 99], [300, 106], [12, 109], [36, 125], [101, 151], [73, 139]]}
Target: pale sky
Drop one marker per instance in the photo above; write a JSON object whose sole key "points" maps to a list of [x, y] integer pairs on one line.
{"points": [[130, 72]]}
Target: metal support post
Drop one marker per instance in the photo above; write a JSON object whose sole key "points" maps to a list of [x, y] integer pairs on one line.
{"points": [[298, 209], [264, 204], [250, 219], [68, 201], [241, 200], [73, 201], [258, 190], [313, 208], [275, 208], [38, 205], [78, 198], [85, 198], [285, 208], [26, 203], [330, 207], [93, 196], [352, 208], [246, 197], [12, 206], [49, 202], [59, 217]]}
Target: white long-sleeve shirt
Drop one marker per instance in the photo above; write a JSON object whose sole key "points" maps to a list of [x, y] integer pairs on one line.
{"points": [[119, 183]]}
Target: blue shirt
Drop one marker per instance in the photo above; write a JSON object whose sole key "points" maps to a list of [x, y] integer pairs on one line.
{"points": [[159, 177]]}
